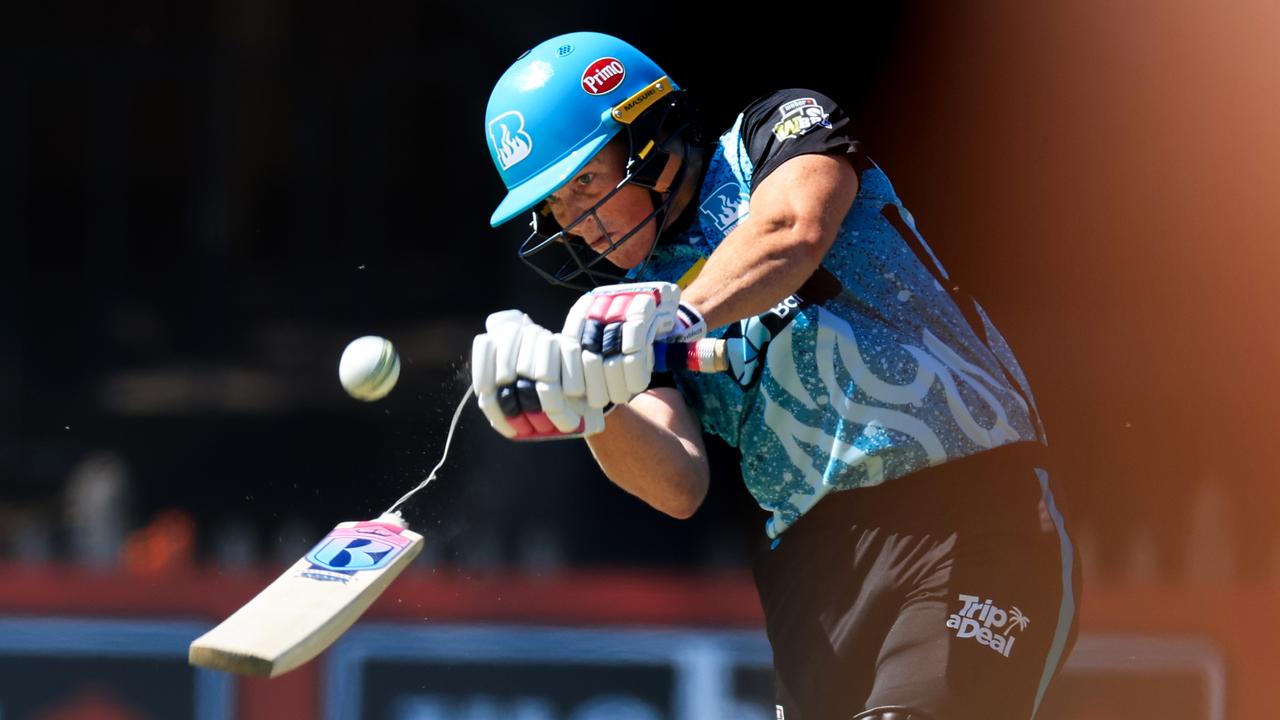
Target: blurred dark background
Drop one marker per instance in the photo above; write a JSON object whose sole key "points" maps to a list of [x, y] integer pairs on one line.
{"points": [[202, 202]]}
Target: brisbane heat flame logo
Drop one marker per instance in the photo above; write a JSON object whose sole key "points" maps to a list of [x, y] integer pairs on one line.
{"points": [[603, 75], [511, 142]]}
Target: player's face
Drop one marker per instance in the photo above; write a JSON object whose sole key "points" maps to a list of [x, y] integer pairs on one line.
{"points": [[622, 212]]}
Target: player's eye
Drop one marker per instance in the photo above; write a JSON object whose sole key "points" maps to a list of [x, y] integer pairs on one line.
{"points": [[586, 178]]}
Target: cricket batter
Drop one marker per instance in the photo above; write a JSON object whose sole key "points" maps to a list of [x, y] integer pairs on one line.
{"points": [[916, 565]]}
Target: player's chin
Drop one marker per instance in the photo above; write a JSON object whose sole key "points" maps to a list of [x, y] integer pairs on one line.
{"points": [[630, 254], [618, 262]]}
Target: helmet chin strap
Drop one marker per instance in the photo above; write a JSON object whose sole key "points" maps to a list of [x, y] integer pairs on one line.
{"points": [[663, 186], [681, 172], [664, 176], [668, 175]]}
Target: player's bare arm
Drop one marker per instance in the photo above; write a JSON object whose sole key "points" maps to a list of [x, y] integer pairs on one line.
{"points": [[795, 213], [652, 445], [652, 448]]}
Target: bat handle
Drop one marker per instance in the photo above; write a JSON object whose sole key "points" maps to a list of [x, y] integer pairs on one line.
{"points": [[708, 355]]}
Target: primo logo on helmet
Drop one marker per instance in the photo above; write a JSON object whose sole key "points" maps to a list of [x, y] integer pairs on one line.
{"points": [[603, 75]]}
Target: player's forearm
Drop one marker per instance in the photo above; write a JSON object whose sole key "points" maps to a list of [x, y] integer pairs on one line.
{"points": [[640, 454], [795, 215], [756, 267]]}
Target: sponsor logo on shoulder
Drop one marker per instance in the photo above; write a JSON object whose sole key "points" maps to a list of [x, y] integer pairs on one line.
{"points": [[988, 624], [799, 116], [603, 76], [727, 206], [511, 142]]}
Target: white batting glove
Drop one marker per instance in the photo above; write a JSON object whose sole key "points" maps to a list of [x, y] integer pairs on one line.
{"points": [[517, 378], [615, 327]]}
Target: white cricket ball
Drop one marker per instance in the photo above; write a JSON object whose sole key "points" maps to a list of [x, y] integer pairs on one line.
{"points": [[369, 368]]}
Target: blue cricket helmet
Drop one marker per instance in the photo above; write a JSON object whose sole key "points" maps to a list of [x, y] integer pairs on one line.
{"points": [[558, 105]]}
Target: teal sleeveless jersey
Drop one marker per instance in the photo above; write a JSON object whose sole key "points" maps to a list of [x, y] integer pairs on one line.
{"points": [[886, 379]]}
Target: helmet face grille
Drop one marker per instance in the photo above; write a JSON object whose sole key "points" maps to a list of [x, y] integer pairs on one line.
{"points": [[560, 256]]}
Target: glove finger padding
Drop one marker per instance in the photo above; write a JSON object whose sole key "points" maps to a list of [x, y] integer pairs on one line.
{"points": [[572, 380], [637, 368], [577, 316], [642, 325], [506, 337], [616, 327], [493, 413], [616, 379], [536, 346], [505, 317], [483, 369], [592, 418], [516, 372], [593, 375]]}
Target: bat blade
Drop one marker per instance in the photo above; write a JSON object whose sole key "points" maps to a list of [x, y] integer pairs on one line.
{"points": [[308, 607]]}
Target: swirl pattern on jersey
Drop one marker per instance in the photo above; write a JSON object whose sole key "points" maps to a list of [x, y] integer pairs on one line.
{"points": [[886, 379]]}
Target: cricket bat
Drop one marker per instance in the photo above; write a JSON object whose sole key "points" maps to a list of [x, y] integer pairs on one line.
{"points": [[304, 610], [308, 607]]}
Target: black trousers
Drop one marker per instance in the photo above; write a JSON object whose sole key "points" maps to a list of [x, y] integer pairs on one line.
{"points": [[953, 591]]}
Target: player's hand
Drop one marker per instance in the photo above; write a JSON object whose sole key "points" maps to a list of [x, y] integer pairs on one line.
{"points": [[614, 328], [516, 372]]}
